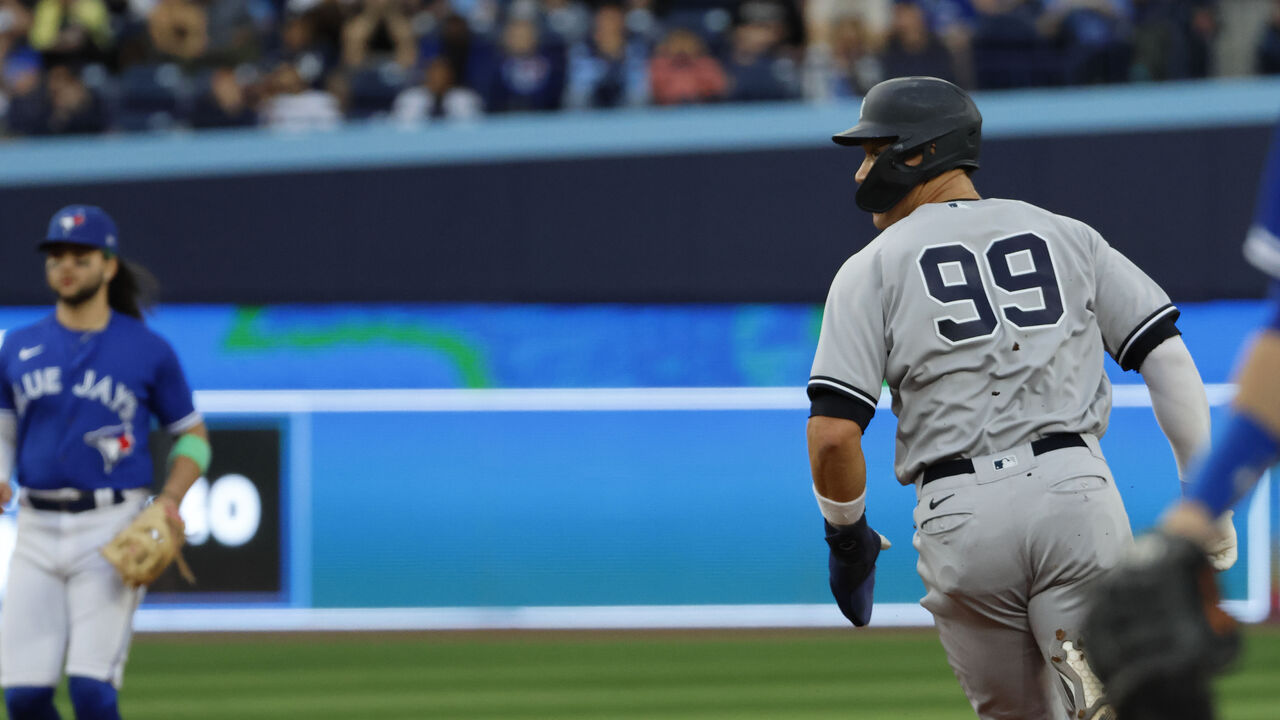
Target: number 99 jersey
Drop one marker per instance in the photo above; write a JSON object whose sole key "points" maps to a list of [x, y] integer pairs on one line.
{"points": [[988, 320]]}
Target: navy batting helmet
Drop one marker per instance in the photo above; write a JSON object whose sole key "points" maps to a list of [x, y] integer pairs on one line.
{"points": [[912, 113]]}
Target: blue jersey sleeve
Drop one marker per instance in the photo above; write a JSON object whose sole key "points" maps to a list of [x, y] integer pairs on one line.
{"points": [[6, 388], [171, 397], [1244, 451], [1262, 247], [1275, 305]]}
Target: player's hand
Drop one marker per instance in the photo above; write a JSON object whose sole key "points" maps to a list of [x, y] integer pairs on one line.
{"points": [[852, 567], [171, 512], [1189, 519], [6, 494], [1218, 538], [1222, 548]]}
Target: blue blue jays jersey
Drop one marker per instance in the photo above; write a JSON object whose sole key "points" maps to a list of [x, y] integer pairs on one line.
{"points": [[1262, 247], [85, 401]]}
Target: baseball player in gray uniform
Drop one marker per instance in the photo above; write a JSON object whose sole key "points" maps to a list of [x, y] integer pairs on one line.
{"points": [[988, 320]]}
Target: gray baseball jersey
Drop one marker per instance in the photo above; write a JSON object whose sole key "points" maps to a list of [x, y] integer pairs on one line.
{"points": [[988, 320]]}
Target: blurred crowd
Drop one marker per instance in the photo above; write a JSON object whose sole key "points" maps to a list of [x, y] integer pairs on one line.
{"points": [[92, 66]]}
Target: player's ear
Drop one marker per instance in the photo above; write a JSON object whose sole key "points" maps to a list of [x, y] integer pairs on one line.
{"points": [[112, 267]]}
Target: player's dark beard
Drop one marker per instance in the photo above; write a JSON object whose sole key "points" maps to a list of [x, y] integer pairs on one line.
{"points": [[83, 295]]}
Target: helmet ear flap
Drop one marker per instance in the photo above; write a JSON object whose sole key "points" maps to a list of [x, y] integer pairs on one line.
{"points": [[891, 177], [887, 183], [930, 118]]}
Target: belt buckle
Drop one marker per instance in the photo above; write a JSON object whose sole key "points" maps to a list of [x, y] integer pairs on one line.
{"points": [[103, 497]]}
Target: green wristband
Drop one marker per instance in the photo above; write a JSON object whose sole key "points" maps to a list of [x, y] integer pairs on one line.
{"points": [[194, 448]]}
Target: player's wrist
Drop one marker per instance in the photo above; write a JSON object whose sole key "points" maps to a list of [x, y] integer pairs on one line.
{"points": [[1191, 519], [172, 511], [170, 499], [1244, 450], [841, 514]]}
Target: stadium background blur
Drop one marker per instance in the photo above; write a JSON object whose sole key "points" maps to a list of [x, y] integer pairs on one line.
{"points": [[93, 66], [544, 370]]}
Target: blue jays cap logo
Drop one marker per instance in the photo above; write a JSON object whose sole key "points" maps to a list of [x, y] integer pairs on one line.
{"points": [[70, 222]]}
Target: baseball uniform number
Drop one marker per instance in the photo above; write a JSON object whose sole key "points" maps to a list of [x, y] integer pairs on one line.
{"points": [[1017, 264]]}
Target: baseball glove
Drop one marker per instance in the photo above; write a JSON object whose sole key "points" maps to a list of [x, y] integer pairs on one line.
{"points": [[142, 551], [1155, 633]]}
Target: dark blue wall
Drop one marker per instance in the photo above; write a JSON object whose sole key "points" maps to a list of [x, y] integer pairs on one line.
{"points": [[757, 225]]}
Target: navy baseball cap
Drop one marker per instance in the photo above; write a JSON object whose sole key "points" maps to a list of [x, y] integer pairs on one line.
{"points": [[83, 225]]}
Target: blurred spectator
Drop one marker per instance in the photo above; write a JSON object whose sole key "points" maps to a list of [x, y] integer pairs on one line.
{"points": [[758, 67], [326, 21], [793, 33], [482, 16], [25, 90], [1007, 48], [1172, 39], [682, 71], [846, 64], [913, 49], [1091, 38], [822, 17], [609, 69], [149, 97], [380, 31], [471, 56], [1269, 45], [224, 103], [952, 22], [15, 23], [567, 21], [350, 59], [948, 17], [337, 85], [855, 54], [64, 106], [179, 30], [641, 22], [236, 29], [133, 44], [370, 91], [71, 31], [300, 48], [438, 98], [528, 77], [292, 105]]}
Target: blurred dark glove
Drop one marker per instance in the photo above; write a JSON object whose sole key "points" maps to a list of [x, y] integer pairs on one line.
{"points": [[1155, 634]]}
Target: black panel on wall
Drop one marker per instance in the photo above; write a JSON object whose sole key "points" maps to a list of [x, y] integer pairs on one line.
{"points": [[749, 226]]}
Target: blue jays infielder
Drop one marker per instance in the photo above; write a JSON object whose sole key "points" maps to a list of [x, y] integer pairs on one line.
{"points": [[1155, 631], [78, 393], [1251, 442]]}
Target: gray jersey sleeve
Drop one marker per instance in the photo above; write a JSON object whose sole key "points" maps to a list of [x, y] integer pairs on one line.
{"points": [[1134, 313], [848, 368]]}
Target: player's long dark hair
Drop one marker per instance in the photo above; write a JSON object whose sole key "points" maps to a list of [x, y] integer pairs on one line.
{"points": [[133, 290]]}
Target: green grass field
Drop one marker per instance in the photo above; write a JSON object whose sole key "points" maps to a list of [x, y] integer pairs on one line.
{"points": [[782, 675]]}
